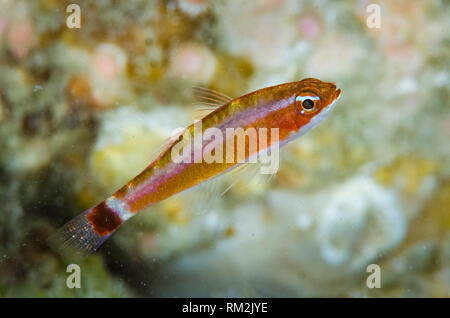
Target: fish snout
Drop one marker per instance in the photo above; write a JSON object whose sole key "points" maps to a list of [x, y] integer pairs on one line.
{"points": [[337, 94]]}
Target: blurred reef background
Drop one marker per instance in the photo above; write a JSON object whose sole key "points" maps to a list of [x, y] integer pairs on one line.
{"points": [[82, 110]]}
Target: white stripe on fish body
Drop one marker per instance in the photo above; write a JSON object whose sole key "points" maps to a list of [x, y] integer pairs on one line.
{"points": [[119, 207], [305, 97]]}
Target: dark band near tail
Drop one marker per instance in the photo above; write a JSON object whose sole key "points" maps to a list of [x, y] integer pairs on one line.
{"points": [[85, 233]]}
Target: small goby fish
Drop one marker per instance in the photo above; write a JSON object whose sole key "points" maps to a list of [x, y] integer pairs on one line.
{"points": [[293, 108]]}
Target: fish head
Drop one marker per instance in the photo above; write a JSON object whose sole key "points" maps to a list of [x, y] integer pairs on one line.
{"points": [[308, 102]]}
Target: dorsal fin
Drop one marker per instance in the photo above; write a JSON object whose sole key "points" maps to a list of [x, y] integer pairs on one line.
{"points": [[208, 100], [210, 97], [202, 111]]}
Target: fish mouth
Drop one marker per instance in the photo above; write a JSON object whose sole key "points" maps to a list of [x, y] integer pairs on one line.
{"points": [[337, 94]]}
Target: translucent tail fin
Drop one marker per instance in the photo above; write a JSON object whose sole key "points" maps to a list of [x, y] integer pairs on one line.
{"points": [[76, 239]]}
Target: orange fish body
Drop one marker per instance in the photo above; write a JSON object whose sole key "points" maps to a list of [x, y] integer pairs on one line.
{"points": [[285, 111]]}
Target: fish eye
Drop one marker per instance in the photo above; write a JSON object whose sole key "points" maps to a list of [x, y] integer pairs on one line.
{"points": [[308, 104]]}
